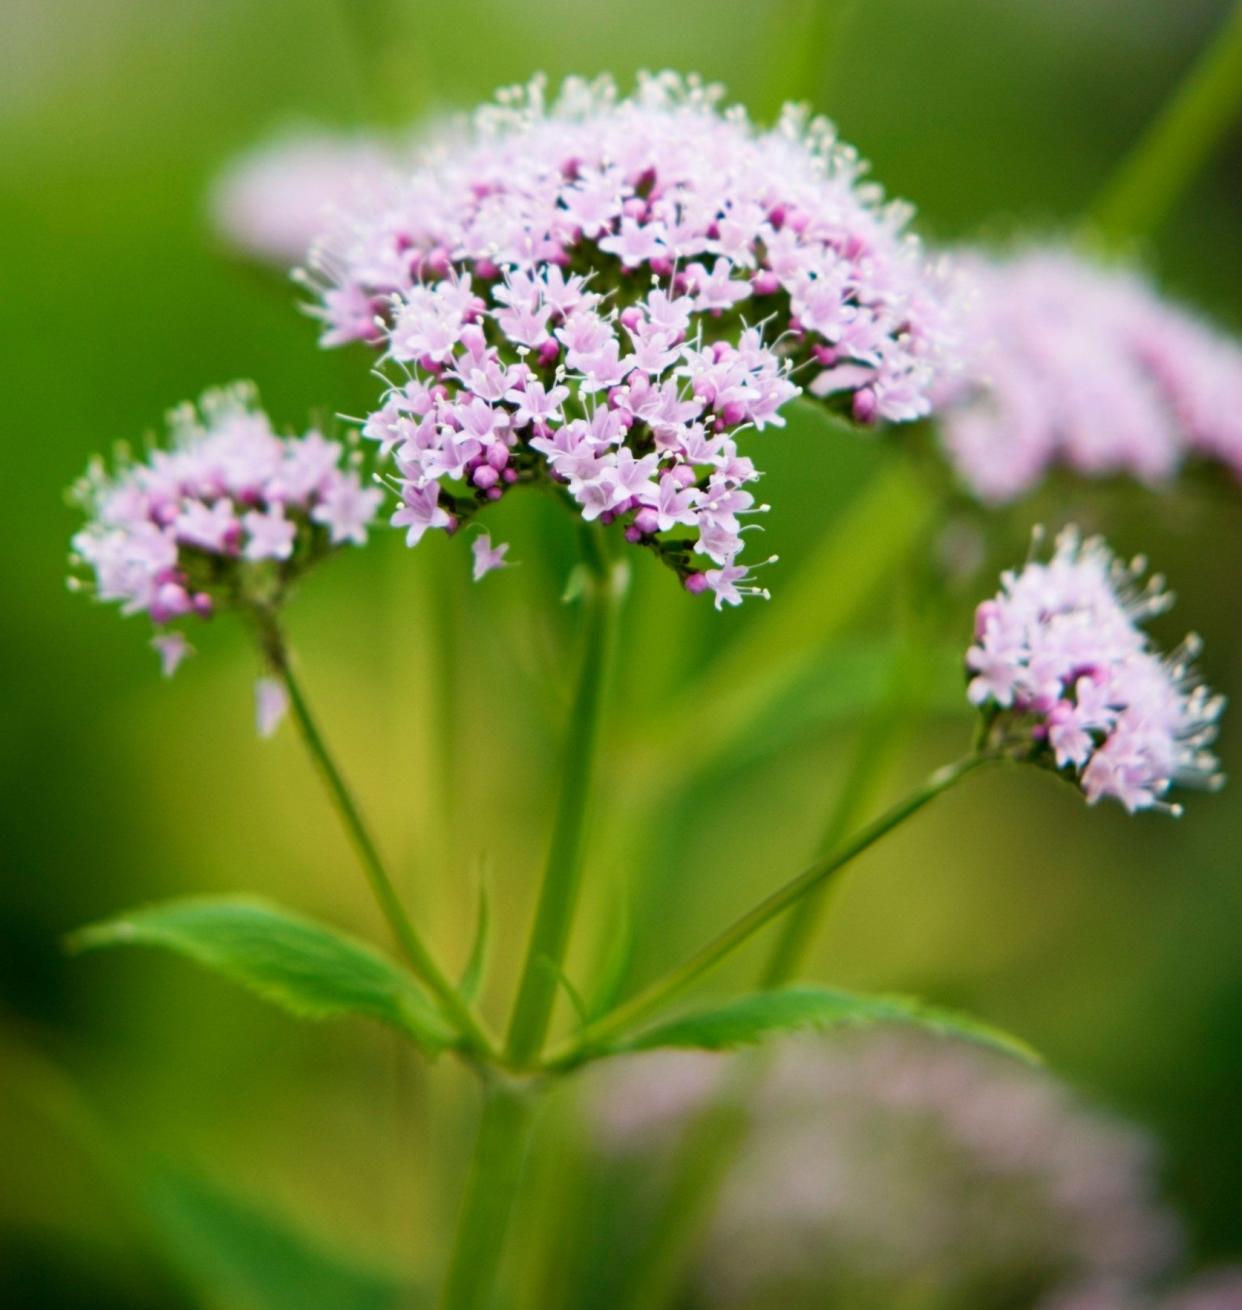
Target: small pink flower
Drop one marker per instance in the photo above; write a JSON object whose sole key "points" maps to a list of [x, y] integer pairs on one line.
{"points": [[271, 704], [486, 556], [420, 510], [172, 649], [347, 509], [271, 535]]}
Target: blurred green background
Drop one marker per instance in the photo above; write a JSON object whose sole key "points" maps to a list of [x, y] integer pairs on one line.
{"points": [[1111, 944]]}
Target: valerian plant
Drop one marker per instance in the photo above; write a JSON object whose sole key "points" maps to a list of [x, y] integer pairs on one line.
{"points": [[614, 299]]}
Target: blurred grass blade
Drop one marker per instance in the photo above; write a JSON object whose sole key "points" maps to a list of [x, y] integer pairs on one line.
{"points": [[616, 959], [751, 1019], [472, 974], [844, 572], [1156, 173], [223, 1252], [566, 984], [850, 684], [241, 1258], [309, 970]]}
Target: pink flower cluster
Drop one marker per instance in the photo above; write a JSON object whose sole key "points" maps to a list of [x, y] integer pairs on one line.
{"points": [[876, 1161], [272, 202], [604, 293], [227, 515], [1067, 676], [1219, 1289], [1073, 363]]}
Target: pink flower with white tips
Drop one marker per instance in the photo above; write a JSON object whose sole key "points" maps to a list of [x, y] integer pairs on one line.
{"points": [[486, 556], [608, 292], [1066, 677], [228, 516]]}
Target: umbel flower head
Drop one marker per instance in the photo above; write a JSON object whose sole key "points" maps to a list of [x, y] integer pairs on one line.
{"points": [[1073, 363], [273, 201], [878, 1161], [1067, 677], [228, 514], [602, 293]]}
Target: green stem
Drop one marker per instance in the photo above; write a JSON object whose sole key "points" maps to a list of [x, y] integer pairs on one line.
{"points": [[624, 1016], [558, 895], [276, 653], [491, 1189], [1159, 168]]}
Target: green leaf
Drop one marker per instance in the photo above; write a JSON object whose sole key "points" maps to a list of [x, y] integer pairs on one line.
{"points": [[308, 969], [750, 1019], [472, 974]]}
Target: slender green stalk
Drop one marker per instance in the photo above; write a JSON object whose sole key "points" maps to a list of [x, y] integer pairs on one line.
{"points": [[276, 653], [491, 1189], [558, 895], [1156, 173], [624, 1016]]}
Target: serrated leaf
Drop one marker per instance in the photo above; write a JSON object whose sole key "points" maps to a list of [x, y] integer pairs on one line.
{"points": [[750, 1019], [472, 974], [308, 969]]}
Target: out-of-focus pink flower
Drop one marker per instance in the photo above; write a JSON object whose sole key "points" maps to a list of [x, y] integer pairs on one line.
{"points": [[1074, 363], [272, 202], [876, 1162]]}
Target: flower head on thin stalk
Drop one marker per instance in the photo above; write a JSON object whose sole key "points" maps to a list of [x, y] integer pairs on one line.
{"points": [[602, 294], [273, 201], [1073, 363], [875, 1161], [226, 515], [1067, 677]]}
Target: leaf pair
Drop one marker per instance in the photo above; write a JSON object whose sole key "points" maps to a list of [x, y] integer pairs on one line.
{"points": [[315, 972], [306, 968]]}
